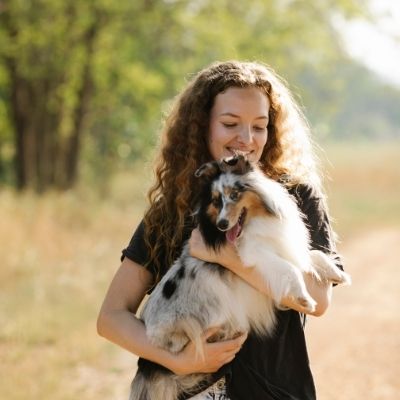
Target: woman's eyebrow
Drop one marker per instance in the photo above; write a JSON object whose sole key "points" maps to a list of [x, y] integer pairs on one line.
{"points": [[229, 114]]}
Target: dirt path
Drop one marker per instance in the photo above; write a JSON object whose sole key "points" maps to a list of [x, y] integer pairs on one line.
{"points": [[355, 347]]}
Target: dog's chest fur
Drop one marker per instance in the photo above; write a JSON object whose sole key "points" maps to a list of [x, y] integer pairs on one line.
{"points": [[195, 295]]}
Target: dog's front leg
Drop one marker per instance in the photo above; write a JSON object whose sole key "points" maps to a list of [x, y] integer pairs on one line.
{"points": [[283, 279]]}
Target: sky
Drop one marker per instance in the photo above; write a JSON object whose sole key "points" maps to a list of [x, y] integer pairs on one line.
{"points": [[377, 44]]}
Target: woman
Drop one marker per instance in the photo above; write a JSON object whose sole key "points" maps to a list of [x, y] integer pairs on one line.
{"points": [[228, 107]]}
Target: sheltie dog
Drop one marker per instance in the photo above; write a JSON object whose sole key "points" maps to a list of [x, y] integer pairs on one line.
{"points": [[238, 204]]}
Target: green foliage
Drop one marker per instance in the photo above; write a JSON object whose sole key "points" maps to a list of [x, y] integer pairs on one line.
{"points": [[143, 52]]}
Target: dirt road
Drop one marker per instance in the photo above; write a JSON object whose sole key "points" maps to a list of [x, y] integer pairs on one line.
{"points": [[355, 348]]}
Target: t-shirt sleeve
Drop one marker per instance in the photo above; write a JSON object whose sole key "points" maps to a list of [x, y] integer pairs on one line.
{"points": [[313, 207], [137, 250]]}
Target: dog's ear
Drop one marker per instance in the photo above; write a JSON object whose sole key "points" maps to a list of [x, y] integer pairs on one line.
{"points": [[207, 170], [238, 164], [273, 208]]}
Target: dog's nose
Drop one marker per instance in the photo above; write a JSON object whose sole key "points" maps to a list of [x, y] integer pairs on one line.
{"points": [[223, 224]]}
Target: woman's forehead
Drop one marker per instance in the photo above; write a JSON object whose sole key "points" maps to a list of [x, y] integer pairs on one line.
{"points": [[237, 101]]}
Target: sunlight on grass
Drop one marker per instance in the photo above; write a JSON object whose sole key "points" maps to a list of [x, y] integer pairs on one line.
{"points": [[59, 253], [364, 186], [62, 251]]}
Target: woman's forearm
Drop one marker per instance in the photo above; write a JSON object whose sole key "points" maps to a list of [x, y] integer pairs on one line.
{"points": [[124, 329], [117, 320], [118, 323]]}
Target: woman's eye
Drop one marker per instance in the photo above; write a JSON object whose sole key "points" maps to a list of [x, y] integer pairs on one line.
{"points": [[260, 128], [229, 124]]}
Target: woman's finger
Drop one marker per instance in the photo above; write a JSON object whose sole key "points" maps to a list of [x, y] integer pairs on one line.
{"points": [[233, 344], [210, 332]]}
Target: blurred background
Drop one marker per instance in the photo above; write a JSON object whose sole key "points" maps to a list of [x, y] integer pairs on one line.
{"points": [[84, 86]]}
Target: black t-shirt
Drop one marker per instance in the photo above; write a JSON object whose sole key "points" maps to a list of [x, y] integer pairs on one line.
{"points": [[276, 367]]}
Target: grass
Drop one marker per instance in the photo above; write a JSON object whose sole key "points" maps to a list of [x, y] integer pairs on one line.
{"points": [[364, 190], [59, 253]]}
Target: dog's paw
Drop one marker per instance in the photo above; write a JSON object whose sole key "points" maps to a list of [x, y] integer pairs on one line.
{"points": [[326, 269], [296, 289], [307, 303], [341, 278]]}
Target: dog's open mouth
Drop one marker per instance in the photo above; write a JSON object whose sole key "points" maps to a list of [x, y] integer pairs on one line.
{"points": [[233, 233]]}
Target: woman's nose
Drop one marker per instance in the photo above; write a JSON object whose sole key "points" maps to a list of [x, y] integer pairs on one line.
{"points": [[246, 135]]}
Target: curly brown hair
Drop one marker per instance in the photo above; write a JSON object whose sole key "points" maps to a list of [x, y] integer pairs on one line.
{"points": [[184, 147]]}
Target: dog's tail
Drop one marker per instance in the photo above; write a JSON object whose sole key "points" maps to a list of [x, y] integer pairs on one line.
{"points": [[156, 386], [193, 330], [162, 384]]}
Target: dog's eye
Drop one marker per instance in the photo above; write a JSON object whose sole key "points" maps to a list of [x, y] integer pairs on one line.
{"points": [[234, 195]]}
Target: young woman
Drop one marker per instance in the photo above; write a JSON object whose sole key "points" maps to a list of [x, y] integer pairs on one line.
{"points": [[228, 107]]}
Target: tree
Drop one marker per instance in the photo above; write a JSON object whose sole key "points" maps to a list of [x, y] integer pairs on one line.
{"points": [[48, 58], [84, 81]]}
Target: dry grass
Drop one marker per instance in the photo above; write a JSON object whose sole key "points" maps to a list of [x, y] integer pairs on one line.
{"points": [[59, 253], [364, 189]]}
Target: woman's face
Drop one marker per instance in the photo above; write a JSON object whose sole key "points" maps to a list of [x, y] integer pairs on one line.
{"points": [[238, 122]]}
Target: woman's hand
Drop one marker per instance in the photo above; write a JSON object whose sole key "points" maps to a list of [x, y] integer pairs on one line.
{"points": [[215, 355], [227, 255]]}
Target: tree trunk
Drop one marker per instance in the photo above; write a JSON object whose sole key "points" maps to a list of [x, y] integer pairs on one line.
{"points": [[19, 103], [80, 112], [43, 159]]}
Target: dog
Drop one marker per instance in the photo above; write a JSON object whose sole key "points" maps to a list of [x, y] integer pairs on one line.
{"points": [[238, 204]]}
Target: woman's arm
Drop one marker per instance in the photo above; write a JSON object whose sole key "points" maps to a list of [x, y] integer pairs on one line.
{"points": [[118, 323], [320, 291]]}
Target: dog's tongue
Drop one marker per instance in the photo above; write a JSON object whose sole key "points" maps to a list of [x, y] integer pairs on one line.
{"points": [[232, 233]]}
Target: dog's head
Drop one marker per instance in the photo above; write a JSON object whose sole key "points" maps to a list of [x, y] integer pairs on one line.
{"points": [[228, 199]]}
